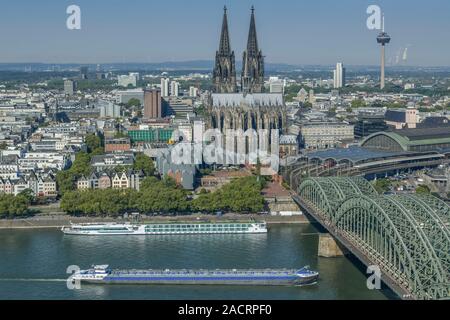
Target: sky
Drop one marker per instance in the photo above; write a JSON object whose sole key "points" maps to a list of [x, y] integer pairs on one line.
{"points": [[299, 32]]}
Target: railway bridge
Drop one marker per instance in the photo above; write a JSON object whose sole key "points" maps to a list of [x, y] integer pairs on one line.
{"points": [[406, 236]]}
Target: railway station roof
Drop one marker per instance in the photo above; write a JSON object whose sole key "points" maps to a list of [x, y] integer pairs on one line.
{"points": [[422, 139], [354, 154]]}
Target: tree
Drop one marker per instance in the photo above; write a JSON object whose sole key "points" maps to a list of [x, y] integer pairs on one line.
{"points": [[93, 142], [382, 185], [28, 194], [80, 167], [422, 189], [133, 102], [241, 195], [144, 163], [307, 105], [13, 206], [358, 103], [120, 134], [3, 146]]}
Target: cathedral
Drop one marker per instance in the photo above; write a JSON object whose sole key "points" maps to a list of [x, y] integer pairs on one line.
{"points": [[244, 106]]}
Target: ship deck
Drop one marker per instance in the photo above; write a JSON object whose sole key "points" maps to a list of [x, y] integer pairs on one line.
{"points": [[224, 272]]}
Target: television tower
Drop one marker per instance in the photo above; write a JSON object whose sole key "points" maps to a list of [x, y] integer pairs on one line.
{"points": [[383, 39]]}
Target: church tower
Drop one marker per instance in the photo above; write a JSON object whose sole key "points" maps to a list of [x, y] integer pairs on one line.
{"points": [[224, 74], [253, 62]]}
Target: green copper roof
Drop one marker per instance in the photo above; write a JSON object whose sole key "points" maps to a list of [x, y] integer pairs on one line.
{"points": [[406, 143]]}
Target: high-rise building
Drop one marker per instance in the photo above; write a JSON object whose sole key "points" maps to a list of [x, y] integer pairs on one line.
{"points": [[383, 39], [69, 87], [339, 76], [165, 87], [99, 73], [193, 92], [152, 104], [84, 73], [174, 89], [253, 62], [224, 73]]}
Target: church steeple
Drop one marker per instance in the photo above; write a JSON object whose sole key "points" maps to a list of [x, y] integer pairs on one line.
{"points": [[224, 74], [252, 43], [253, 62], [225, 47]]}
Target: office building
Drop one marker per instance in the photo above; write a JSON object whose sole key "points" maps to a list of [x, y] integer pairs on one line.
{"points": [[368, 124], [109, 110], [174, 89], [325, 135], [193, 92], [339, 76], [152, 104], [69, 87], [84, 73], [165, 87], [179, 107]]}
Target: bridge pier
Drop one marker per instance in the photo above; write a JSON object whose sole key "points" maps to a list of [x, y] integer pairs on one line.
{"points": [[329, 247]]}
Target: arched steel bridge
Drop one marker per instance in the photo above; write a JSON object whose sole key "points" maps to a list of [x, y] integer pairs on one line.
{"points": [[407, 236]]}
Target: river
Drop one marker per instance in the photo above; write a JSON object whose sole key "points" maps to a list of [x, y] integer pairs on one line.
{"points": [[33, 264]]}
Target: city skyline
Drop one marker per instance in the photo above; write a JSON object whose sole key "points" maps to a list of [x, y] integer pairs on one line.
{"points": [[290, 32]]}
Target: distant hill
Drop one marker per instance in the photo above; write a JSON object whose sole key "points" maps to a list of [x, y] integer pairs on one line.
{"points": [[201, 65]]}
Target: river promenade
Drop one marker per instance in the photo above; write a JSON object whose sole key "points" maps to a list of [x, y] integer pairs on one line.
{"points": [[58, 220]]}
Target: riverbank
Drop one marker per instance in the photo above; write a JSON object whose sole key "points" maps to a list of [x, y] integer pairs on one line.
{"points": [[60, 220]]}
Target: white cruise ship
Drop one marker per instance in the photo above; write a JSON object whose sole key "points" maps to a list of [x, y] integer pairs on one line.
{"points": [[165, 228]]}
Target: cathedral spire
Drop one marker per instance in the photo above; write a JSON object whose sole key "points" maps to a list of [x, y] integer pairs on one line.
{"points": [[224, 74], [225, 47], [253, 62], [252, 43]]}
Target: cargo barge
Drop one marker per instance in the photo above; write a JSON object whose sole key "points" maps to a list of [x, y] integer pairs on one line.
{"points": [[103, 274]]}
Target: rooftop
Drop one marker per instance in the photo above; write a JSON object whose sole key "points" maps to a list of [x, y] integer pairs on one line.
{"points": [[424, 133], [353, 154], [252, 100]]}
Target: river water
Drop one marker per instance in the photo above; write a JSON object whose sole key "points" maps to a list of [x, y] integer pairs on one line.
{"points": [[33, 264]]}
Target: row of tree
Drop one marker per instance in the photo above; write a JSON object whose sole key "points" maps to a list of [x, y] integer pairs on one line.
{"points": [[14, 206], [240, 195], [164, 196]]}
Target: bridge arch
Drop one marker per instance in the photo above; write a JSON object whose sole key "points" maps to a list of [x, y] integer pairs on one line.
{"points": [[408, 236], [327, 194], [386, 230]]}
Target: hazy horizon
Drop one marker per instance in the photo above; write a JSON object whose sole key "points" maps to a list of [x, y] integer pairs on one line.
{"points": [[289, 32]]}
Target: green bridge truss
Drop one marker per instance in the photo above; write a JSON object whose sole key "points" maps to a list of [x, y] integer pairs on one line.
{"points": [[407, 236]]}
